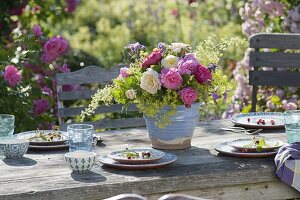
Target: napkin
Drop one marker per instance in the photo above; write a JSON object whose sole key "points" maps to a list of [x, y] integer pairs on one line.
{"points": [[287, 162]]}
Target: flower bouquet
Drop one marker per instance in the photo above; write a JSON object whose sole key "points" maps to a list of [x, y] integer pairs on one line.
{"points": [[167, 86]]}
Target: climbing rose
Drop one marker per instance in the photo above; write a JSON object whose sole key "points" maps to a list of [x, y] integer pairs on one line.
{"points": [[71, 5], [40, 106], [37, 30], [53, 48], [12, 75]]}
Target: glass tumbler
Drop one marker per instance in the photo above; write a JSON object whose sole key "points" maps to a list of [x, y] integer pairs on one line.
{"points": [[292, 125], [80, 137], [7, 125]]}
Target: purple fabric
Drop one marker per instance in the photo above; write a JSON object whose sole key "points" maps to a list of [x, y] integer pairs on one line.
{"points": [[288, 155]]}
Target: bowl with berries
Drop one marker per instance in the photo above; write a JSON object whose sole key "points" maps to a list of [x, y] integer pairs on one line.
{"points": [[137, 155]]}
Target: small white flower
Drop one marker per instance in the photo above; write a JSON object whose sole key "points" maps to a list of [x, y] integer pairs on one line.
{"points": [[170, 62], [131, 94], [177, 47], [150, 81]]}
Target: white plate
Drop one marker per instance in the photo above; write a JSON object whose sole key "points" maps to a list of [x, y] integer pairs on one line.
{"points": [[26, 135], [241, 143], [166, 160], [242, 120], [155, 155]]}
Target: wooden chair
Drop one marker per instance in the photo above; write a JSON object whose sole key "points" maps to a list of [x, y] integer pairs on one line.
{"points": [[91, 75], [274, 59]]}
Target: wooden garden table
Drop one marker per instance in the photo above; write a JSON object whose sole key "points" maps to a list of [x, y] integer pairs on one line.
{"points": [[198, 171]]}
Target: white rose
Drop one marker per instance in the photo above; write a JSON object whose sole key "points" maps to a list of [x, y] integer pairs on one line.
{"points": [[150, 81], [177, 47], [131, 94], [170, 62]]}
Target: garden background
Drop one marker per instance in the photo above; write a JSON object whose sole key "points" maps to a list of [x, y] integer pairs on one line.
{"points": [[40, 38]]}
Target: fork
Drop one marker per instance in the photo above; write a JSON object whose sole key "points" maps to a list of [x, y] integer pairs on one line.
{"points": [[241, 129]]}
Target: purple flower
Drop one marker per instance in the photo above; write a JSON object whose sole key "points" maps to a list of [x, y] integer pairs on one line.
{"points": [[215, 96], [134, 47], [64, 69], [212, 67], [124, 72], [46, 90], [188, 65], [225, 95], [170, 78], [37, 30], [40, 106], [188, 96], [71, 5], [53, 48]]}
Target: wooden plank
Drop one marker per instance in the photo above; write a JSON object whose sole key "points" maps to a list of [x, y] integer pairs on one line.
{"points": [[275, 40], [91, 74], [115, 108], [74, 95], [114, 123], [274, 59], [274, 78]]}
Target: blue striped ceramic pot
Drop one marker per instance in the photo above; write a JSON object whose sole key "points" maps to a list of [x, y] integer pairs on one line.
{"points": [[178, 134]]}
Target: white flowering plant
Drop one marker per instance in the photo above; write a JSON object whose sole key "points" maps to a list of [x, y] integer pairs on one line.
{"points": [[171, 75]]}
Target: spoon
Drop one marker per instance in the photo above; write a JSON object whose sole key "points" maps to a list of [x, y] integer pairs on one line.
{"points": [[241, 129]]}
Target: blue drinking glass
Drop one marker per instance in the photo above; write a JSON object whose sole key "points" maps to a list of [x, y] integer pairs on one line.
{"points": [[7, 125], [292, 125], [80, 137]]}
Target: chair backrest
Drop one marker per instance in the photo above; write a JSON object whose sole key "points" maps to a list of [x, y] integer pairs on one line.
{"points": [[91, 75], [280, 58]]}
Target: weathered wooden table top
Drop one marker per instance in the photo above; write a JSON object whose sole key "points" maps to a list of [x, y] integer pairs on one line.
{"points": [[199, 171]]}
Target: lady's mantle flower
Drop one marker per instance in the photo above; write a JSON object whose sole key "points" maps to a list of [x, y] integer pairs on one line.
{"points": [[130, 94], [169, 62], [54, 47], [152, 59], [12, 75], [188, 96], [171, 79], [150, 81]]}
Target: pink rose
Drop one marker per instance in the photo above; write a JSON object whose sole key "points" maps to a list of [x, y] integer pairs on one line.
{"points": [[188, 65], [203, 75], [71, 5], [54, 47], [188, 96], [152, 59], [12, 75], [40, 106], [123, 72], [37, 30], [170, 78]]}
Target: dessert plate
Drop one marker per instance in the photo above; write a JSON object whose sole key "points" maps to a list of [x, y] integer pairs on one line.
{"points": [[225, 149], [39, 142], [125, 158], [165, 161], [271, 120], [248, 145]]}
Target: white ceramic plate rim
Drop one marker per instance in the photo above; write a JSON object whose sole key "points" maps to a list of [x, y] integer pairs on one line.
{"points": [[235, 144], [24, 135], [114, 155]]}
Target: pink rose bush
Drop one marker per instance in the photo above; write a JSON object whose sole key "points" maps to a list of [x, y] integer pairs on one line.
{"points": [[54, 48], [40, 106], [12, 75], [171, 75], [37, 30]]}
